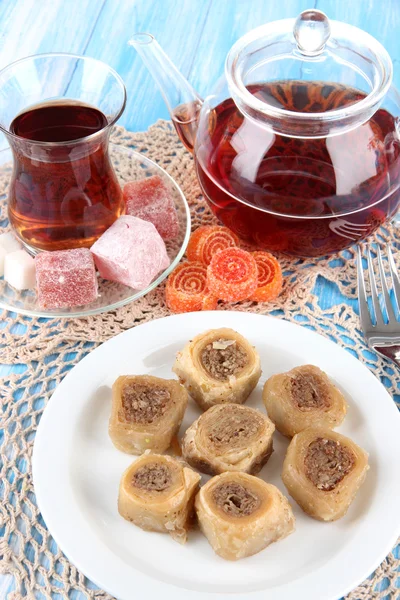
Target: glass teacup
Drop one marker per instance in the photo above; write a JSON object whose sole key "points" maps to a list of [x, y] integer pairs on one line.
{"points": [[57, 112]]}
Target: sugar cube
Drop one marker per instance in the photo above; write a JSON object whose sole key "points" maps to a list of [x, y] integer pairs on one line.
{"points": [[3, 253], [8, 243], [131, 252], [19, 270], [150, 199], [65, 278]]}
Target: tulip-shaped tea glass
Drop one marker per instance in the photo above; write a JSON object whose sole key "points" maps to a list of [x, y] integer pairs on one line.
{"points": [[57, 112]]}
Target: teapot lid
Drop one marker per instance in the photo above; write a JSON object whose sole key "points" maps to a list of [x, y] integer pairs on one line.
{"points": [[310, 48]]}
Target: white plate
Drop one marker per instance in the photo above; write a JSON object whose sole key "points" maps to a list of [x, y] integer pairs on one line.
{"points": [[76, 472]]}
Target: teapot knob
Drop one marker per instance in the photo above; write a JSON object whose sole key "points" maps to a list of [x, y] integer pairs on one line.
{"points": [[311, 31]]}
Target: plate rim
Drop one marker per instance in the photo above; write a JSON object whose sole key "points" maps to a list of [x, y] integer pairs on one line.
{"points": [[140, 293], [182, 593]]}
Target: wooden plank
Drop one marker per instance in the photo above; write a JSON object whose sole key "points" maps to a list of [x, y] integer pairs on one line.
{"points": [[26, 30], [6, 585], [176, 24], [29, 27], [226, 23]]}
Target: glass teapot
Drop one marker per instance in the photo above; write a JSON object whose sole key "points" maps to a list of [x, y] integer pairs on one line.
{"points": [[297, 148]]}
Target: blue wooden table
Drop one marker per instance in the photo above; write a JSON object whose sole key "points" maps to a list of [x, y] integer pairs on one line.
{"points": [[196, 34]]}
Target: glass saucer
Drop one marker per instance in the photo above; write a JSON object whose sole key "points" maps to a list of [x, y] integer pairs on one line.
{"points": [[129, 165]]}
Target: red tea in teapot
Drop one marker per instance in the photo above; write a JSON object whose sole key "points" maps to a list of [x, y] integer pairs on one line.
{"points": [[303, 196], [64, 192]]}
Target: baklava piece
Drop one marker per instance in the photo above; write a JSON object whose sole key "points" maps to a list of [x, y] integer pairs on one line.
{"points": [[146, 413], [217, 367], [157, 493], [241, 515], [323, 471], [301, 398], [229, 437]]}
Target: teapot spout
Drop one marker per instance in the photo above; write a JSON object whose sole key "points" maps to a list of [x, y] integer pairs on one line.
{"points": [[181, 99]]}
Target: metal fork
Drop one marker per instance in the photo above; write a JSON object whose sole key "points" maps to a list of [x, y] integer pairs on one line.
{"points": [[382, 337]]}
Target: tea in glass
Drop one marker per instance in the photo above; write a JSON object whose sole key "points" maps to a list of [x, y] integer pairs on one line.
{"points": [[57, 112], [64, 192]]}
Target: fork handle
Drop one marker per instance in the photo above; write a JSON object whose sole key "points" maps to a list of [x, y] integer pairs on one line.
{"points": [[390, 352]]}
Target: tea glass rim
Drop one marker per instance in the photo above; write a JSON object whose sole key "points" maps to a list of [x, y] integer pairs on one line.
{"points": [[90, 137], [375, 96]]}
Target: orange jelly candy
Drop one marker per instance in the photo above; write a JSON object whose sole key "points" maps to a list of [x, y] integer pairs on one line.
{"points": [[192, 251], [232, 275], [217, 238], [208, 240], [210, 302], [269, 277], [187, 289]]}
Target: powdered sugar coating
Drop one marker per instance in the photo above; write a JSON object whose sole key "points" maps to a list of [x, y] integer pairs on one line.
{"points": [[208, 240], [65, 278], [149, 199], [187, 289], [131, 252], [269, 276], [232, 275]]}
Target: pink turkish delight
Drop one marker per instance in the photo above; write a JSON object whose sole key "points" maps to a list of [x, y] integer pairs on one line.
{"points": [[131, 252], [65, 278], [149, 199]]}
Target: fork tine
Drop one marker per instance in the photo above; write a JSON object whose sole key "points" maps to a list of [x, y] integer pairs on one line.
{"points": [[387, 303], [374, 291], [395, 276], [365, 317]]}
